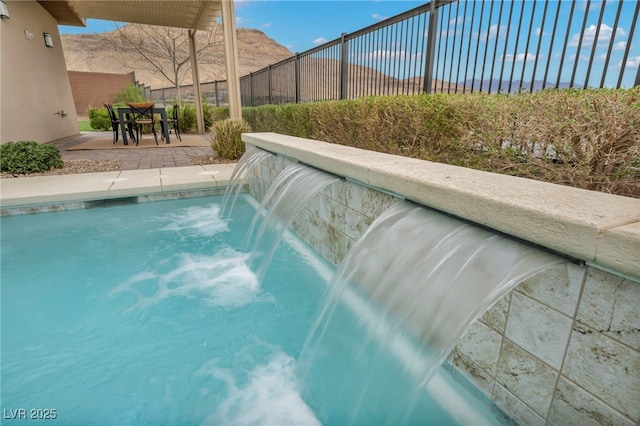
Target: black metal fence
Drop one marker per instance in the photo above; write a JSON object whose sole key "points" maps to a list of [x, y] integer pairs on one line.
{"points": [[461, 46]]}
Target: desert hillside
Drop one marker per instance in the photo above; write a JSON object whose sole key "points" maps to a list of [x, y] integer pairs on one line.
{"points": [[111, 52]]}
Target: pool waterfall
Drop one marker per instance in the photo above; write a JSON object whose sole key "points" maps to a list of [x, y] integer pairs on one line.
{"points": [[288, 193], [415, 280]]}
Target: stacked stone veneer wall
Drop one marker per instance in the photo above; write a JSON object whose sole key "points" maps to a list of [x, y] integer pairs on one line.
{"points": [[562, 348]]}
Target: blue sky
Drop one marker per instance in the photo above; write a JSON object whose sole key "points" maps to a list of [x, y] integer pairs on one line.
{"points": [[298, 25]]}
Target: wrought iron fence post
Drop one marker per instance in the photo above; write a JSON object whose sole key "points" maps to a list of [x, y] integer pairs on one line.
{"points": [[251, 89], [270, 86], [297, 77], [344, 69], [431, 46]]}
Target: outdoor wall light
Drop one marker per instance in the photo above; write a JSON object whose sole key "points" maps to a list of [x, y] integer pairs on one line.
{"points": [[4, 10], [48, 41]]}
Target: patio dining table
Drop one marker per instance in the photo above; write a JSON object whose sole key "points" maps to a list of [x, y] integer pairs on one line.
{"points": [[158, 109]]}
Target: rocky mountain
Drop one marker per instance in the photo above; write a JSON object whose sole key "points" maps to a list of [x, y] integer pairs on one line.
{"points": [[114, 52]]}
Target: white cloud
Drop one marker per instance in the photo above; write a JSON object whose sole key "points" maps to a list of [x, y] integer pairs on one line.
{"points": [[457, 20], [493, 32], [319, 41], [378, 17], [632, 62], [519, 57], [443, 33], [581, 58], [621, 45], [267, 24], [539, 32], [589, 35]]}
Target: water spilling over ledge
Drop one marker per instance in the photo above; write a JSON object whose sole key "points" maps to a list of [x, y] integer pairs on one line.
{"points": [[423, 270], [547, 321]]}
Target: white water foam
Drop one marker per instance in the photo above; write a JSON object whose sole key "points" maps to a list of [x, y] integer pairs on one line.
{"points": [[198, 220], [223, 279], [271, 396]]}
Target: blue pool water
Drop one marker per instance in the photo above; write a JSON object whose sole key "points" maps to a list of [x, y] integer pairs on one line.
{"points": [[147, 314]]}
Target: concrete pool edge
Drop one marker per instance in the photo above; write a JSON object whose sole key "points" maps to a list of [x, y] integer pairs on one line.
{"points": [[591, 226], [18, 194]]}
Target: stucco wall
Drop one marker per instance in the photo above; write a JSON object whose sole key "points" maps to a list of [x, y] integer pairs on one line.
{"points": [[563, 347], [34, 81], [93, 89]]}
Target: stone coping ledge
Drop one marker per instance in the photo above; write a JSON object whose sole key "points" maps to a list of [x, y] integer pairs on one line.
{"points": [[595, 227], [38, 190]]}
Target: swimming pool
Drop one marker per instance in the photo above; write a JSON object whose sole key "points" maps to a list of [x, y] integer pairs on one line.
{"points": [[147, 314]]}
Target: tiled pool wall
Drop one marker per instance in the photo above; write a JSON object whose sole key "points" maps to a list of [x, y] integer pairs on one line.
{"points": [[563, 347]]}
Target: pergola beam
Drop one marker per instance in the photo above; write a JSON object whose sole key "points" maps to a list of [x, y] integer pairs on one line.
{"points": [[197, 96], [231, 56]]}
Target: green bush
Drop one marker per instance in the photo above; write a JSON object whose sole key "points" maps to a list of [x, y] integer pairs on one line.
{"points": [[187, 117], [99, 119], [207, 115], [226, 138], [25, 157], [131, 93], [581, 138], [219, 113], [188, 120]]}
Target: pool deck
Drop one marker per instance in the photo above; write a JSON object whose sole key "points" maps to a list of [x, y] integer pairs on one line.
{"points": [[39, 190]]}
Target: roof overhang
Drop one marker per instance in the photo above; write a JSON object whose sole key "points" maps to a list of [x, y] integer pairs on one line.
{"points": [[192, 14]]}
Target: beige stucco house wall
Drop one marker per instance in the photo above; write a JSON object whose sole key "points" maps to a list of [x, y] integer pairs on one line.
{"points": [[34, 82]]}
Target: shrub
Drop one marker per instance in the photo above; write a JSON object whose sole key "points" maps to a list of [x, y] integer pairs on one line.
{"points": [[25, 157], [131, 93], [582, 138], [188, 120], [187, 117], [99, 119], [219, 113], [207, 115], [226, 138]]}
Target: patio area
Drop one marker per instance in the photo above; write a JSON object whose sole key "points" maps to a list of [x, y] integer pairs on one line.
{"points": [[176, 154]]}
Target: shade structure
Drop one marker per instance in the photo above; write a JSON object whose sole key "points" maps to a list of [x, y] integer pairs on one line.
{"points": [[190, 14]]}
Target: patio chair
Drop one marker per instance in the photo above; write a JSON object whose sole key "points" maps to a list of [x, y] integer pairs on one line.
{"points": [[115, 123], [173, 123], [142, 115]]}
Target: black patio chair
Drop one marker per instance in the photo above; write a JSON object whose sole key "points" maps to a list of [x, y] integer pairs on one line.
{"points": [[115, 124], [173, 123], [142, 115]]}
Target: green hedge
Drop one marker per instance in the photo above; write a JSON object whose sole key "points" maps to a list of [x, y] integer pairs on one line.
{"points": [[583, 138]]}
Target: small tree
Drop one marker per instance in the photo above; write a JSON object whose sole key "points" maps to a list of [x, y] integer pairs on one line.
{"points": [[165, 50], [130, 93]]}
